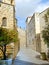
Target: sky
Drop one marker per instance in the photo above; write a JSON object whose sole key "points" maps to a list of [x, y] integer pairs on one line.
{"points": [[25, 8]]}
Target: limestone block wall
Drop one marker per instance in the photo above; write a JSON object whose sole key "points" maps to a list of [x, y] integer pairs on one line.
{"points": [[34, 28], [16, 49], [8, 12], [9, 1], [22, 37], [30, 32], [42, 26]]}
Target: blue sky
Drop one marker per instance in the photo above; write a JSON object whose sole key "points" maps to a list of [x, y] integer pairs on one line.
{"points": [[25, 8]]}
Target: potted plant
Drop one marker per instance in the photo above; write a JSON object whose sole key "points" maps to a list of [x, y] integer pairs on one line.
{"points": [[6, 37], [43, 56]]}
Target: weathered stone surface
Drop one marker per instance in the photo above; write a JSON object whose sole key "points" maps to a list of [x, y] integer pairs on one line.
{"points": [[8, 12]]}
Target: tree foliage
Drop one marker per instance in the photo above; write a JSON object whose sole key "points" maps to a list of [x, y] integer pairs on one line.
{"points": [[45, 35], [45, 32], [6, 37], [14, 35]]}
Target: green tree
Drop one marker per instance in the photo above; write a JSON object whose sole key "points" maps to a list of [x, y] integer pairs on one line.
{"points": [[45, 35], [14, 35], [45, 32], [6, 37]]}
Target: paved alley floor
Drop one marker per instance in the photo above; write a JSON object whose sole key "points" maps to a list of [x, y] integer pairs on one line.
{"points": [[28, 56]]}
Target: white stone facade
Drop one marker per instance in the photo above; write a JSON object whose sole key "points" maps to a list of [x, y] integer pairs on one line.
{"points": [[22, 37], [33, 32], [42, 26], [33, 28]]}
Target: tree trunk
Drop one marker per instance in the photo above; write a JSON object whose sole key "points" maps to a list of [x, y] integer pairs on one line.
{"points": [[4, 52], [48, 50]]}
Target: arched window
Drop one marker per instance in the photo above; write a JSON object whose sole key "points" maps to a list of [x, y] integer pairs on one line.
{"points": [[4, 21]]}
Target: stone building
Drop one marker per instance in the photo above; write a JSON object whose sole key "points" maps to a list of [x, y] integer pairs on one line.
{"points": [[7, 14], [22, 37], [27, 30], [42, 26], [7, 18], [34, 29], [32, 32]]}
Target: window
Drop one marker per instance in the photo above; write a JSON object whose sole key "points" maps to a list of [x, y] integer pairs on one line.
{"points": [[4, 21]]}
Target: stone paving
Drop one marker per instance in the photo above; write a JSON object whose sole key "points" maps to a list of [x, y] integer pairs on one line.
{"points": [[28, 56], [20, 62]]}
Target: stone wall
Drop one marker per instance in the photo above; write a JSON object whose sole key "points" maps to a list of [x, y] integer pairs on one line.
{"points": [[8, 12], [9, 1], [22, 37]]}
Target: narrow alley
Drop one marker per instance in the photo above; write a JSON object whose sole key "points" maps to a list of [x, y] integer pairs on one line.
{"points": [[28, 56]]}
